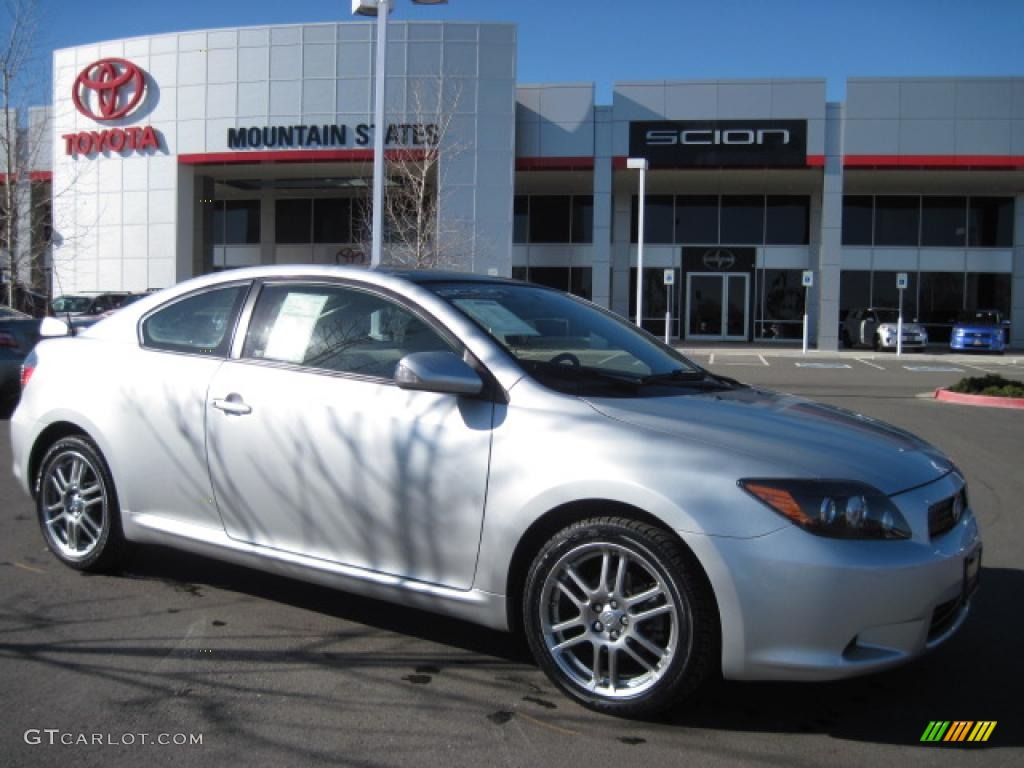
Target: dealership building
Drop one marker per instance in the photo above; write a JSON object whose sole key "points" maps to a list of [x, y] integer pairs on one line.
{"points": [[180, 154]]}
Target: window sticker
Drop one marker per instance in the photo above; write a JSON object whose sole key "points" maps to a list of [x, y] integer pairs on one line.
{"points": [[293, 327], [498, 320]]}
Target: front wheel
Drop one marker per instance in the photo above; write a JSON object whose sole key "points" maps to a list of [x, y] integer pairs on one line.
{"points": [[77, 506], [619, 615]]}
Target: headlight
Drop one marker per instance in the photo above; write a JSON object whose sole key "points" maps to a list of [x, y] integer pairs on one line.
{"points": [[837, 508]]}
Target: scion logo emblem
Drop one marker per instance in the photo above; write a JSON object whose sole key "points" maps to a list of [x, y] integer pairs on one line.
{"points": [[118, 86], [719, 259]]}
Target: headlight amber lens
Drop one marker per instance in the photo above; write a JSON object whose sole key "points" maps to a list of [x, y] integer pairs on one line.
{"points": [[837, 508]]}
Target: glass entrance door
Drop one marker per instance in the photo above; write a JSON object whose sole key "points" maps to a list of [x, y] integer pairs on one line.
{"points": [[717, 305]]}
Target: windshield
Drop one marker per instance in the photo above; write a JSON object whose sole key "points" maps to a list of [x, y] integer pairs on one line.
{"points": [[64, 304], [568, 344], [887, 315], [979, 317]]}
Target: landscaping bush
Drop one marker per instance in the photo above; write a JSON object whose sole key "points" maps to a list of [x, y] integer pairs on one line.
{"points": [[992, 385]]}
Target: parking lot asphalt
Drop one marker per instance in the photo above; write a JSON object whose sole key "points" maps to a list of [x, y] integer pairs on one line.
{"points": [[276, 672]]}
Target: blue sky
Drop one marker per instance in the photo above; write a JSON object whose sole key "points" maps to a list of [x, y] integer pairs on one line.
{"points": [[603, 41]]}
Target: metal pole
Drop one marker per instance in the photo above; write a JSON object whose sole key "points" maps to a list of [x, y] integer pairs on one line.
{"points": [[640, 251], [899, 328], [805, 320], [379, 132]]}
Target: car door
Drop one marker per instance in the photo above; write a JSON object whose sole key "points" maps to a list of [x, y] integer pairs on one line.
{"points": [[868, 327], [313, 448]]}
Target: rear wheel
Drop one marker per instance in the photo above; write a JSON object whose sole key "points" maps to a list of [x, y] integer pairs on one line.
{"points": [[619, 616], [876, 343], [77, 506]]}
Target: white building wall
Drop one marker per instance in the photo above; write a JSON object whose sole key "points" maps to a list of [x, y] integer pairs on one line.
{"points": [[126, 222]]}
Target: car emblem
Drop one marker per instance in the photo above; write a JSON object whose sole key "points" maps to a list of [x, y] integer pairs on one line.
{"points": [[118, 84], [719, 259]]}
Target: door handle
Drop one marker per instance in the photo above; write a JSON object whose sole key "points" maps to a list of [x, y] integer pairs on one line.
{"points": [[233, 405]]}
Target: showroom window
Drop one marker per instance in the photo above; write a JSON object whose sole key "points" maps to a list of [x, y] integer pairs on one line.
{"points": [[990, 222], [944, 221], [884, 292], [858, 219], [659, 224], [854, 291], [553, 219], [322, 220], [897, 220], [787, 220], [728, 219], [930, 221], [574, 280], [742, 219], [697, 219], [236, 222], [778, 304], [656, 300]]}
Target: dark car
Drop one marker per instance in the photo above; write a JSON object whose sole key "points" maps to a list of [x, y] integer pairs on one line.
{"points": [[18, 334], [84, 309], [980, 329]]}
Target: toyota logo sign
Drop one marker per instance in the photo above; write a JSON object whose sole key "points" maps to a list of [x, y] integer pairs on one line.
{"points": [[108, 89]]}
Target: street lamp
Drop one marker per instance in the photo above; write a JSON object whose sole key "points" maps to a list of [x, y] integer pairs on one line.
{"points": [[373, 8], [639, 164]]}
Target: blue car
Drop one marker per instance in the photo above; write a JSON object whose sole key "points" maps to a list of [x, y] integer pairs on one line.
{"points": [[979, 329]]}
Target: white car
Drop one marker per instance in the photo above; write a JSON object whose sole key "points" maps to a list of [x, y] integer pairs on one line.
{"points": [[877, 328]]}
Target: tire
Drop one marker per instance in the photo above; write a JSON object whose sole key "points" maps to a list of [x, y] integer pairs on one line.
{"points": [[678, 644], [876, 343], [77, 506], [844, 339]]}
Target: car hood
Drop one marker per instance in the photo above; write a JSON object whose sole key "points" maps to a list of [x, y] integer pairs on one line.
{"points": [[977, 328], [800, 437]]}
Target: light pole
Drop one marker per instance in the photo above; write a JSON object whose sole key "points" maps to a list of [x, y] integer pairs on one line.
{"points": [[380, 9], [640, 164]]}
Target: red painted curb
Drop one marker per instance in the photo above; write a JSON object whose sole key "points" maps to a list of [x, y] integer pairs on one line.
{"points": [[985, 400]]}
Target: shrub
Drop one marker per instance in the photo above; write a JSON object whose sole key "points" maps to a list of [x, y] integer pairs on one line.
{"points": [[992, 385]]}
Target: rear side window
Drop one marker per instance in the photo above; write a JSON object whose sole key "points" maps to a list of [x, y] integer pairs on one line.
{"points": [[200, 324], [335, 328]]}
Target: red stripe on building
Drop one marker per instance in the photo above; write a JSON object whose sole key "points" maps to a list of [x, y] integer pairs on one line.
{"points": [[813, 161], [1002, 162], [298, 156], [32, 176], [554, 163]]}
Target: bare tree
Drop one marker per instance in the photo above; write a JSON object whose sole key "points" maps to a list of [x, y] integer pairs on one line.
{"points": [[24, 210], [418, 231]]}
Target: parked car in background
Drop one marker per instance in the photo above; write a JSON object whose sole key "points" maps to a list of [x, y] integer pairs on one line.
{"points": [[128, 300], [876, 327], [980, 329], [504, 453], [84, 309], [18, 335]]}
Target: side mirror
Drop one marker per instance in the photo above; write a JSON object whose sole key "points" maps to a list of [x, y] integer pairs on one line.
{"points": [[443, 372], [51, 327]]}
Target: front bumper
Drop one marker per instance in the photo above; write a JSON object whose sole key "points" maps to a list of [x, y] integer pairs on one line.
{"points": [[795, 606], [983, 342]]}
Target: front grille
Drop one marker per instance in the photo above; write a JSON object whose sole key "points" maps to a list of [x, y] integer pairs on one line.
{"points": [[940, 515], [944, 616]]}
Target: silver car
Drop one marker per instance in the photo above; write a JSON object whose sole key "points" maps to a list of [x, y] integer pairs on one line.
{"points": [[507, 454]]}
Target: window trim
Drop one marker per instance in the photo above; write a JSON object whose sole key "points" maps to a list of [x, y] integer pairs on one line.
{"points": [[247, 286]]}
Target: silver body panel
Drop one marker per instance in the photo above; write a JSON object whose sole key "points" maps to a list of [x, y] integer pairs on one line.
{"points": [[422, 498]]}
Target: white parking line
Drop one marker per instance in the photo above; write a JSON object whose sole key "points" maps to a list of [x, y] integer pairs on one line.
{"points": [[822, 365], [977, 368], [764, 361], [862, 360], [711, 361], [933, 369]]}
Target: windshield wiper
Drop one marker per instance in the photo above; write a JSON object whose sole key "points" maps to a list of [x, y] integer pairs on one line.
{"points": [[701, 379]]}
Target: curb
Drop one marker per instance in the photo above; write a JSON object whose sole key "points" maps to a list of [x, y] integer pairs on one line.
{"points": [[983, 400]]}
